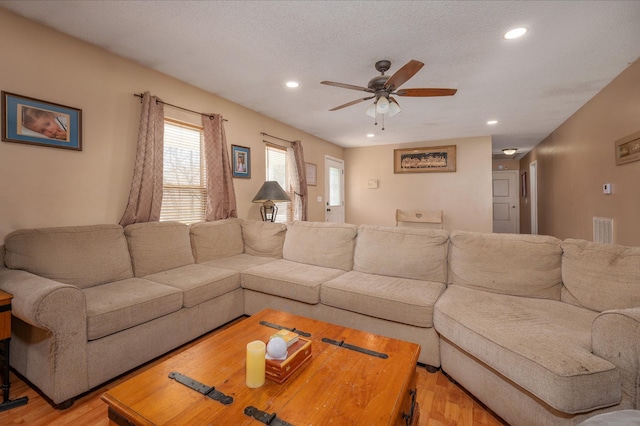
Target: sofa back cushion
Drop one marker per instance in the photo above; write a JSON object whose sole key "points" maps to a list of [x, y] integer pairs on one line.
{"points": [[321, 244], [514, 264], [84, 256], [263, 238], [217, 239], [158, 246], [413, 253], [601, 276]]}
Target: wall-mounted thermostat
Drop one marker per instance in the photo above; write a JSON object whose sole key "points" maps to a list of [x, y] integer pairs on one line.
{"points": [[372, 184]]}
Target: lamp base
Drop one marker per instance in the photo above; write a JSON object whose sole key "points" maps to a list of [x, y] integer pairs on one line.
{"points": [[269, 211]]}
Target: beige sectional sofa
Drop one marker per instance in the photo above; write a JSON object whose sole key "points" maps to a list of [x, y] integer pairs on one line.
{"points": [[542, 331]]}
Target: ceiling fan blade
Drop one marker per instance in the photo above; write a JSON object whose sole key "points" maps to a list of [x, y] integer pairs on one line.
{"points": [[346, 86], [357, 101], [403, 74], [426, 92]]}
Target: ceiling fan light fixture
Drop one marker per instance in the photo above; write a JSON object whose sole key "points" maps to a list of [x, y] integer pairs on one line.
{"points": [[394, 108], [509, 151], [382, 87], [371, 111], [382, 106]]}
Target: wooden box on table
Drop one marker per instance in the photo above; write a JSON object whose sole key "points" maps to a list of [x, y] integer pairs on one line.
{"points": [[299, 355]]}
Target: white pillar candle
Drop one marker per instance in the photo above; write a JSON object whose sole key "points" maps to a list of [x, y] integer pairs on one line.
{"points": [[255, 363]]}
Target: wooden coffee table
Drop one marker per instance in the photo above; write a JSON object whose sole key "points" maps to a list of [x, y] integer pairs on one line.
{"points": [[338, 386]]}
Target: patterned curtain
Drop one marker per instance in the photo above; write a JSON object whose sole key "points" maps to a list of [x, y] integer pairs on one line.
{"points": [[221, 197], [145, 196], [294, 182], [302, 176]]}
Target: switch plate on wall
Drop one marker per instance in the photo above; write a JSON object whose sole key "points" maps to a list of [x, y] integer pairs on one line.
{"points": [[606, 188]]}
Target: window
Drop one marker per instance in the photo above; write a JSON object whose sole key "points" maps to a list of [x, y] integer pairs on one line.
{"points": [[184, 196], [277, 170]]}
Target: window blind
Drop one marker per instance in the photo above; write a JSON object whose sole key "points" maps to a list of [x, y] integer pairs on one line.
{"points": [[184, 183], [277, 170]]}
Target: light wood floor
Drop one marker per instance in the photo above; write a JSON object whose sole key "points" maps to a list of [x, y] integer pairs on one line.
{"points": [[441, 402]]}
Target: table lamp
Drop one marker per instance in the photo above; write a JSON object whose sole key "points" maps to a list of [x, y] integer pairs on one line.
{"points": [[270, 193]]}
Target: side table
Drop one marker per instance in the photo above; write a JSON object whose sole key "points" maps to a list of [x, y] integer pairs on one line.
{"points": [[5, 338]]}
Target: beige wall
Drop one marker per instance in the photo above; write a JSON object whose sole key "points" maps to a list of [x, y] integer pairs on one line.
{"points": [[465, 196], [501, 165], [578, 158], [54, 187]]}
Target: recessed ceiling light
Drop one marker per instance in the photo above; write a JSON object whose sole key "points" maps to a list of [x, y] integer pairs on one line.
{"points": [[492, 122], [370, 135], [515, 33], [292, 84]]}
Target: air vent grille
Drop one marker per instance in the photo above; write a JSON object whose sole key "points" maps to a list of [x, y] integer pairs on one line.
{"points": [[603, 230]]}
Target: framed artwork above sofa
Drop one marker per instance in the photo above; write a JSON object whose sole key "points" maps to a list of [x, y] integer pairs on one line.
{"points": [[36, 122]]}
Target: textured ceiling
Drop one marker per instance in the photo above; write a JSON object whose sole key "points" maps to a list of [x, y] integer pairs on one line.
{"points": [[245, 51]]}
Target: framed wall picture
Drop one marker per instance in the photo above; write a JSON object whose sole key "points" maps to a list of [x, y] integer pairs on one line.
{"points": [[36, 122], [425, 160], [241, 161], [312, 173], [628, 149]]}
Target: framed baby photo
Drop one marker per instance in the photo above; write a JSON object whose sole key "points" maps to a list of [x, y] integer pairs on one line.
{"points": [[36, 122], [241, 161]]}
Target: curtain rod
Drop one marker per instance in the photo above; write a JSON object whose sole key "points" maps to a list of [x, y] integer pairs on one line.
{"points": [[274, 144], [275, 137], [141, 95]]}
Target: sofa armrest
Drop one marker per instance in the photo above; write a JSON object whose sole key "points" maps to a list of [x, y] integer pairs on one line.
{"points": [[49, 336], [615, 336], [42, 302]]}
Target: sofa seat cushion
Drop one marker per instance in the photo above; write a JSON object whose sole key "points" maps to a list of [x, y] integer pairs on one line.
{"points": [[293, 280], [396, 299], [119, 305], [239, 262], [198, 283], [544, 346]]}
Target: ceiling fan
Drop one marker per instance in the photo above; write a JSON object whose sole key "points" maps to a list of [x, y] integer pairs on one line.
{"points": [[383, 86]]}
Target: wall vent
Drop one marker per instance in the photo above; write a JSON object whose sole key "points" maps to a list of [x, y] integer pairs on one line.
{"points": [[603, 230]]}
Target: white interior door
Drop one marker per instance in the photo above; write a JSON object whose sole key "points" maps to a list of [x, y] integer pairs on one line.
{"points": [[334, 190], [506, 208]]}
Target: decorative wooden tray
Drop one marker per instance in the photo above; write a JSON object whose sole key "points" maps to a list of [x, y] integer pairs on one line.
{"points": [[299, 355]]}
